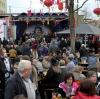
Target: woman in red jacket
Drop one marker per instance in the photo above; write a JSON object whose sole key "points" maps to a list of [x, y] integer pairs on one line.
{"points": [[86, 90]]}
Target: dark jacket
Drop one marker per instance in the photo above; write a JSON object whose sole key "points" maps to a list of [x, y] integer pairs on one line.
{"points": [[52, 79], [26, 50], [3, 71], [15, 86], [2, 80], [83, 52]]}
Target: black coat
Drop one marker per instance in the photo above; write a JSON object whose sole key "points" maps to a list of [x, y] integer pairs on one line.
{"points": [[3, 71], [15, 86], [52, 79], [83, 52], [2, 79]]}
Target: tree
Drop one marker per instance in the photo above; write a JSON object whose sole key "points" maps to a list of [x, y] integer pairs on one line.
{"points": [[72, 21], [71, 24]]}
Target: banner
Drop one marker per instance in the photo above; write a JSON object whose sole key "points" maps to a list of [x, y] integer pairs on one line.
{"points": [[14, 32], [9, 32], [2, 29]]}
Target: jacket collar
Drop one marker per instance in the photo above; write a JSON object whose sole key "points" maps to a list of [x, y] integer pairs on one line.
{"points": [[20, 80], [63, 86]]}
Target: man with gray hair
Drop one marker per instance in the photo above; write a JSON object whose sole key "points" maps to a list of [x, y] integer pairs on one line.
{"points": [[71, 65], [20, 83]]}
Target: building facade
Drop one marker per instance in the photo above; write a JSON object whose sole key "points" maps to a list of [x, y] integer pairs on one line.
{"points": [[3, 6]]}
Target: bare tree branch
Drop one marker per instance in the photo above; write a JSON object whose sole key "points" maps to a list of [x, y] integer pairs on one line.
{"points": [[81, 5]]}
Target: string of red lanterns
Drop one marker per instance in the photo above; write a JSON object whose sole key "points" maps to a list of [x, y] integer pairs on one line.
{"points": [[49, 3]]}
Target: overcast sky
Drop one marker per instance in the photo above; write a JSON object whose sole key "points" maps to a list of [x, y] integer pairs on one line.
{"points": [[19, 6]]}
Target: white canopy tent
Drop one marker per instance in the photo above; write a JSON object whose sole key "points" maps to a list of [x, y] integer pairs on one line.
{"points": [[83, 29], [87, 29], [64, 32]]}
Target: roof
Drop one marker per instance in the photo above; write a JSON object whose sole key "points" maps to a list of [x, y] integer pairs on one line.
{"points": [[64, 32], [83, 29], [44, 14], [87, 29], [3, 16]]}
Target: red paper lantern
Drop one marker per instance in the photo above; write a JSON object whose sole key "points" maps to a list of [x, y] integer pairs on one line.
{"points": [[48, 3], [60, 6], [97, 11]]}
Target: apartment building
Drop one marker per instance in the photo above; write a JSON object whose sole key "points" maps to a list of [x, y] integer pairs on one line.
{"points": [[3, 6]]}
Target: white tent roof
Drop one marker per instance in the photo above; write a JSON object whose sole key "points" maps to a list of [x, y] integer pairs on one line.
{"points": [[87, 29], [64, 32], [83, 29]]}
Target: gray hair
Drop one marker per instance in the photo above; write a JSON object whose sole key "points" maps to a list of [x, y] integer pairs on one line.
{"points": [[91, 73], [71, 56], [23, 64]]}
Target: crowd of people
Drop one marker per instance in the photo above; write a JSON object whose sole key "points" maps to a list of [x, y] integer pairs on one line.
{"points": [[48, 70]]}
